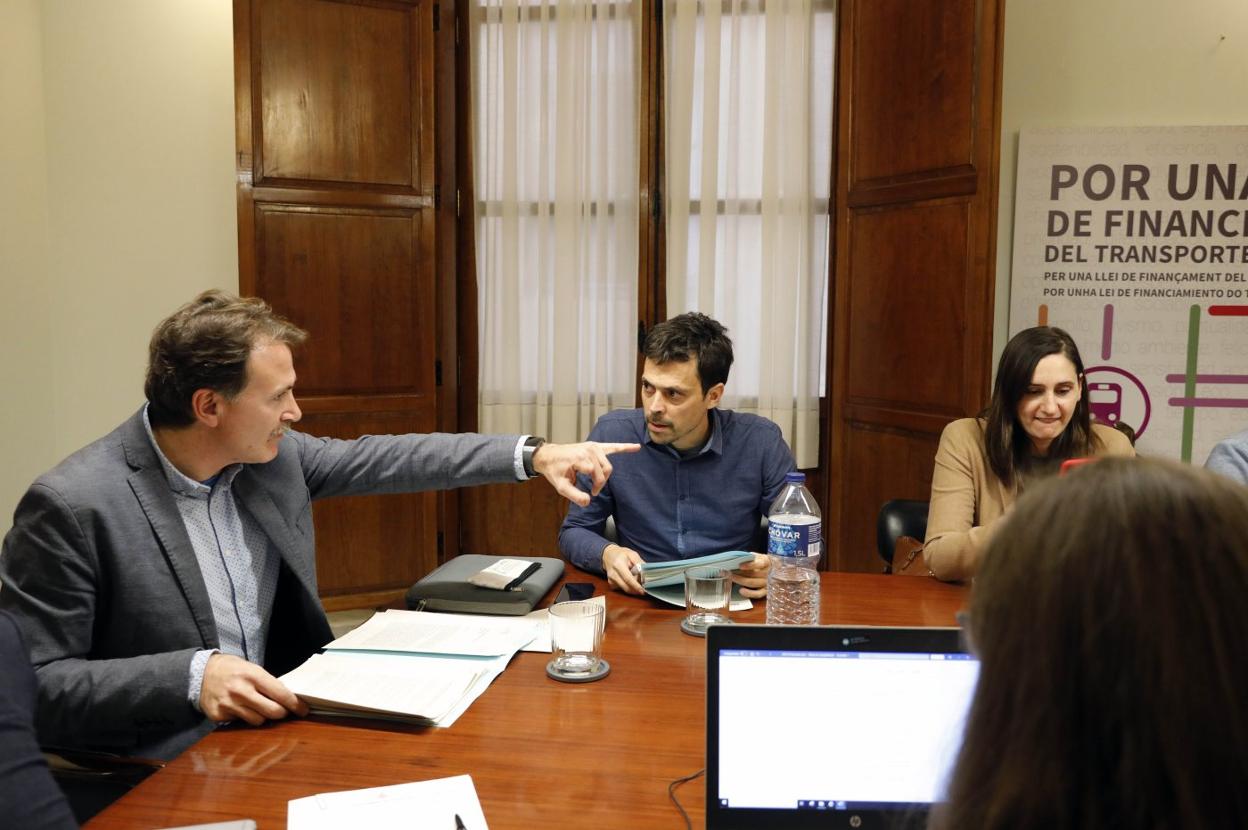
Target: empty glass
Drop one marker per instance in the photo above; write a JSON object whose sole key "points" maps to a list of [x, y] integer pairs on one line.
{"points": [[576, 640]]}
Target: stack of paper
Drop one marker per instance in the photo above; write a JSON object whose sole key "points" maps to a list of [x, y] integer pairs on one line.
{"points": [[666, 580], [411, 665], [440, 804]]}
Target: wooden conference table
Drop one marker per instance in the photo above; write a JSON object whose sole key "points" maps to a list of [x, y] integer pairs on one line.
{"points": [[541, 753]]}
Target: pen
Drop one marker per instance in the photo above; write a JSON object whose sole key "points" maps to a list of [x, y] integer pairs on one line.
{"points": [[459, 823]]}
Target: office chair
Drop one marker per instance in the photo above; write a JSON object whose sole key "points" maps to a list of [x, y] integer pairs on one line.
{"points": [[899, 517], [93, 780], [757, 545]]}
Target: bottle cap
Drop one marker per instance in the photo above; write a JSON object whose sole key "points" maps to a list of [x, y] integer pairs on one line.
{"points": [[794, 478]]}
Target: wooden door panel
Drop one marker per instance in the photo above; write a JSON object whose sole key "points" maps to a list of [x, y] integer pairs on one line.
{"points": [[914, 74], [334, 93], [907, 333], [918, 131], [358, 280], [888, 464], [511, 519]]}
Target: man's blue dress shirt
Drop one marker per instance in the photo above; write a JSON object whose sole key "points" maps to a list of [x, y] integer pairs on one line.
{"points": [[667, 507]]}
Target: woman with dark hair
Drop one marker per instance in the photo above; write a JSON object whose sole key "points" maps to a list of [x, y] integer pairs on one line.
{"points": [[1109, 618], [1038, 417]]}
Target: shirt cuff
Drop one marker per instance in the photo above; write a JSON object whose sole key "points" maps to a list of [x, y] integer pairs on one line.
{"points": [[517, 459], [198, 663]]}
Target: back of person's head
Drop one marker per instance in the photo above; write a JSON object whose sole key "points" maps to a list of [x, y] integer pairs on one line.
{"points": [[1007, 443], [205, 345], [692, 336], [1110, 614]]}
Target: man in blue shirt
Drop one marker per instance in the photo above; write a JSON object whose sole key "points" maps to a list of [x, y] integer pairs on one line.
{"points": [[704, 476]]}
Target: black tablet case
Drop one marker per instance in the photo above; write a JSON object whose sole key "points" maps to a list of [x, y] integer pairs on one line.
{"points": [[447, 588]]}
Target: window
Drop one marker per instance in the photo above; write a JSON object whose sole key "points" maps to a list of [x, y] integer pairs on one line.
{"points": [[746, 143]]}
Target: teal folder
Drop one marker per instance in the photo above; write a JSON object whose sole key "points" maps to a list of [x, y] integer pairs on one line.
{"points": [[666, 580]]}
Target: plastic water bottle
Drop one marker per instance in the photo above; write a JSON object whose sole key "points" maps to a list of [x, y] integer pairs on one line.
{"points": [[794, 543]]}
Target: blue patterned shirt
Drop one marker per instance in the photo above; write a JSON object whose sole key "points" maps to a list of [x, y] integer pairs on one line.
{"points": [[669, 507], [236, 559]]}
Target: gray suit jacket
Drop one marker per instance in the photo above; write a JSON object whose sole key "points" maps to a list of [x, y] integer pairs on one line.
{"points": [[100, 574]]}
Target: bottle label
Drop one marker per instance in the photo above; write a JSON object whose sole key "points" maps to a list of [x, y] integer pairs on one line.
{"points": [[785, 539]]}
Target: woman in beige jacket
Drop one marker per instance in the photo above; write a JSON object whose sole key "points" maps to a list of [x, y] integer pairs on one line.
{"points": [[1038, 417]]}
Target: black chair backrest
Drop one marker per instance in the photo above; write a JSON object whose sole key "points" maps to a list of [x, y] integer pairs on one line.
{"points": [[899, 517]]}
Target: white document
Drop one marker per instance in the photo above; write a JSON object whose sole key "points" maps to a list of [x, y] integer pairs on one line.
{"points": [[490, 669], [423, 805], [424, 688], [426, 632], [541, 643]]}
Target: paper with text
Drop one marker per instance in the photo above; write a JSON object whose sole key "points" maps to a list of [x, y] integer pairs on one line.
{"points": [[427, 632], [422, 805], [420, 687]]}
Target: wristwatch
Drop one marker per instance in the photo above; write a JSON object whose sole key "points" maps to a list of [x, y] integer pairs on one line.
{"points": [[526, 454]]}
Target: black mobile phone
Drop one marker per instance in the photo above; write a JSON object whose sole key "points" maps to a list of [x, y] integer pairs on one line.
{"points": [[573, 591]]}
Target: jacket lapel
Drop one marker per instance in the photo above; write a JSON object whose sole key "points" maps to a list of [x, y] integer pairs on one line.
{"points": [[257, 501], [147, 481]]}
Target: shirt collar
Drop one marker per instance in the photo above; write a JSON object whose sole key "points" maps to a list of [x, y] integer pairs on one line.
{"points": [[179, 482], [714, 445]]}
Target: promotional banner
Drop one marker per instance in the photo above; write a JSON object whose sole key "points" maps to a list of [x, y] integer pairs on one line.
{"points": [[1135, 240]]}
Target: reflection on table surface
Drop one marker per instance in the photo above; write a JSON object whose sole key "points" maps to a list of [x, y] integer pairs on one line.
{"points": [[538, 750]]}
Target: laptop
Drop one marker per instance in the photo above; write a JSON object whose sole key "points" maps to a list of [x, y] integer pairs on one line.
{"points": [[802, 725]]}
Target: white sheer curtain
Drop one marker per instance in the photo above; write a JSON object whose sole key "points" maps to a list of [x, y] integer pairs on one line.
{"points": [[555, 90], [748, 154]]}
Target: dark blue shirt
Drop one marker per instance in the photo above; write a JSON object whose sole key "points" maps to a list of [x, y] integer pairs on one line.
{"points": [[667, 507]]}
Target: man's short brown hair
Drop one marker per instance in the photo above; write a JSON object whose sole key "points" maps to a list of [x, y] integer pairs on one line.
{"points": [[205, 345], [692, 336]]}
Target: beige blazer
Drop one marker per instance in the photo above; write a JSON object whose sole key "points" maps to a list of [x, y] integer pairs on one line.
{"points": [[968, 498]]}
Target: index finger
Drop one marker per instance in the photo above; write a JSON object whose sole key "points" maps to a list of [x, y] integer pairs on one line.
{"points": [[614, 448]]}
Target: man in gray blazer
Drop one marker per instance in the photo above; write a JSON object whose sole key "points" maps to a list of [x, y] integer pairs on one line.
{"points": [[164, 575]]}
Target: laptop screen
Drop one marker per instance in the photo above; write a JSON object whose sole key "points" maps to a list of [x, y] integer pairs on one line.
{"points": [[819, 726]]}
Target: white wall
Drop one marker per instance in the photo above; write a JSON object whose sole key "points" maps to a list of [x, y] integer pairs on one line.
{"points": [[1113, 63], [25, 333], [125, 146]]}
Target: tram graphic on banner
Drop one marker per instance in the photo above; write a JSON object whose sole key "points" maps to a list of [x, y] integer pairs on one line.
{"points": [[1135, 240]]}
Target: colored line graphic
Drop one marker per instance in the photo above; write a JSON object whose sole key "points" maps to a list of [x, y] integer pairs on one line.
{"points": [[1189, 382], [1229, 403], [1042, 316], [1209, 378], [1188, 400], [1107, 332]]}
